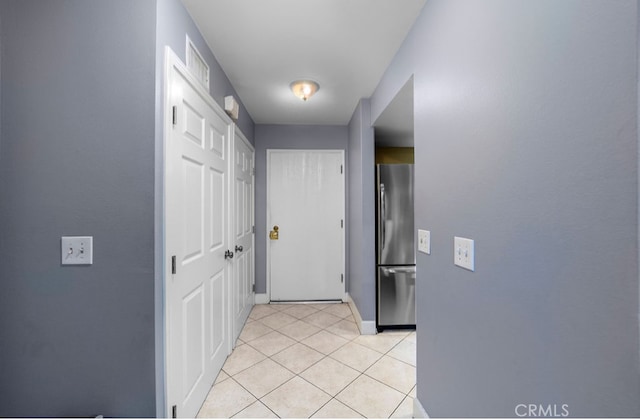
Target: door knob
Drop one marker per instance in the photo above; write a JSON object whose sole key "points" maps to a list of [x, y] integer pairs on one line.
{"points": [[273, 235], [239, 248], [228, 254]]}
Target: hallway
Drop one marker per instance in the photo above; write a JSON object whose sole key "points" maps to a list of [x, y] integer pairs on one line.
{"points": [[309, 360]]}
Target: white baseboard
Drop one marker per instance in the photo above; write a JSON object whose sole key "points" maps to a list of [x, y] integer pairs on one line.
{"points": [[366, 327], [418, 410], [262, 298]]}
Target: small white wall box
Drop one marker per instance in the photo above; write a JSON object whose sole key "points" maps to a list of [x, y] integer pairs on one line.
{"points": [[231, 107], [77, 250]]}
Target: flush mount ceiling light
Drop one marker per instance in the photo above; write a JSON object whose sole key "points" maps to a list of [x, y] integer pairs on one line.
{"points": [[304, 89]]}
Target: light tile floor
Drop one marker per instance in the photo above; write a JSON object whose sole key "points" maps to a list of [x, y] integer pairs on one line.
{"points": [[309, 360]]}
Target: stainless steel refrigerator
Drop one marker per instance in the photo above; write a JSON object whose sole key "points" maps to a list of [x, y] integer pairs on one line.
{"points": [[396, 258]]}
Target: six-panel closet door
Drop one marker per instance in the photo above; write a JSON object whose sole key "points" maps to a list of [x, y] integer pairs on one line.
{"points": [[208, 248]]}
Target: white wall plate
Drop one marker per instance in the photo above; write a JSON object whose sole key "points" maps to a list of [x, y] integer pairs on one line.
{"points": [[464, 253], [424, 241], [77, 250]]}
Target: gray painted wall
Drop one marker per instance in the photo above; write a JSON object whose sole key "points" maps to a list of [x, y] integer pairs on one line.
{"points": [[77, 159], [526, 141], [285, 137], [172, 26], [361, 203]]}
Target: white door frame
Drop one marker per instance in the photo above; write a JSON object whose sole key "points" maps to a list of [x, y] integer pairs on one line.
{"points": [[171, 61], [268, 228]]}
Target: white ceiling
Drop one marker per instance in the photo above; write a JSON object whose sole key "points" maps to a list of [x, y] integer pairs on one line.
{"points": [[264, 45]]}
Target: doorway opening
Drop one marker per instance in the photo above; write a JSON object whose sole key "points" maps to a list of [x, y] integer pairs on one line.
{"points": [[395, 232]]}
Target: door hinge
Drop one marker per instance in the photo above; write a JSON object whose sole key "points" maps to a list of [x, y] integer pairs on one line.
{"points": [[173, 264], [253, 287], [174, 412], [340, 166], [341, 278], [342, 223], [175, 115], [253, 229], [254, 171]]}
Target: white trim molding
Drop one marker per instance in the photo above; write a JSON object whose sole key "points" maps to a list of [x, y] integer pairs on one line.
{"points": [[262, 298], [418, 410], [365, 327]]}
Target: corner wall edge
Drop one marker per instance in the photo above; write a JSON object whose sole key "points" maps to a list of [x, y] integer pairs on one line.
{"points": [[365, 327]]}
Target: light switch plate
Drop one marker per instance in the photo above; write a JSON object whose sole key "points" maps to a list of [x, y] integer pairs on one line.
{"points": [[464, 253], [77, 250], [424, 241]]}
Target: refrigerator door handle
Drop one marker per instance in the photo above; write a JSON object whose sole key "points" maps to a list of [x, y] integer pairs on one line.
{"points": [[383, 218]]}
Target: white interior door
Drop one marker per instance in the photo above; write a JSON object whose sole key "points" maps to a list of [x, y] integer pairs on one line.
{"points": [[243, 235], [197, 141], [305, 200]]}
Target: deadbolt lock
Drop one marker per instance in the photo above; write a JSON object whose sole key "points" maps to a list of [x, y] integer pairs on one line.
{"points": [[273, 235]]}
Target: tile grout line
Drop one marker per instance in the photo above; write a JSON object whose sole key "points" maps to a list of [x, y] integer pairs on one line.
{"points": [[406, 394], [295, 374], [398, 406], [334, 397], [324, 356], [257, 399], [348, 339]]}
